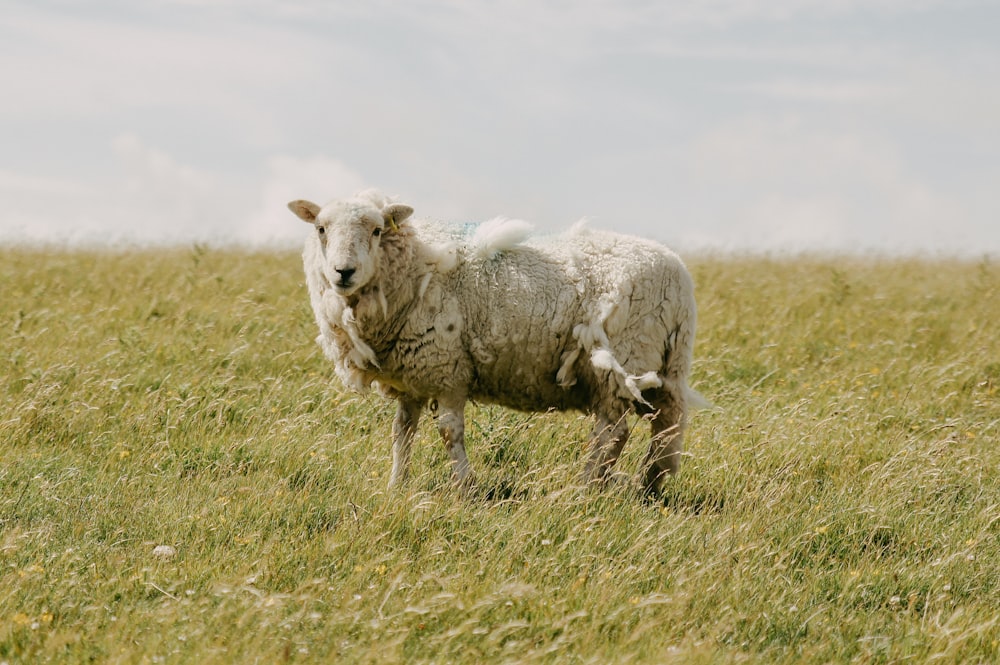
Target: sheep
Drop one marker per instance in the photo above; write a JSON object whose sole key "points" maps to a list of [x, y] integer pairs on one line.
{"points": [[432, 314]]}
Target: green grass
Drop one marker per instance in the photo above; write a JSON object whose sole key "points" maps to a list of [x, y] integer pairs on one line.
{"points": [[842, 505]]}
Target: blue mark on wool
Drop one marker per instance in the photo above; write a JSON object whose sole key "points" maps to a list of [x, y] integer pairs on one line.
{"points": [[461, 230]]}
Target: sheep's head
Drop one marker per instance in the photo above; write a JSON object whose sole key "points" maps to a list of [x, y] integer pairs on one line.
{"points": [[350, 235]]}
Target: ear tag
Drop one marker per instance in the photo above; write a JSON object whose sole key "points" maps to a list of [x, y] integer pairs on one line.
{"points": [[392, 224]]}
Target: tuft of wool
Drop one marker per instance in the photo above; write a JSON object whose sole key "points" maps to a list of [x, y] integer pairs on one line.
{"points": [[499, 234]]}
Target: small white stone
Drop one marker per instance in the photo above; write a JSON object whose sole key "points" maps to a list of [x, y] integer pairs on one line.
{"points": [[164, 552]]}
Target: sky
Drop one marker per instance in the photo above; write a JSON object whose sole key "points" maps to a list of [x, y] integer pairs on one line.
{"points": [[862, 126]]}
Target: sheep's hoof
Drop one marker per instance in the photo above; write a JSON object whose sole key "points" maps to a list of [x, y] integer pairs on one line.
{"points": [[651, 484], [613, 481], [618, 480], [466, 486], [651, 494]]}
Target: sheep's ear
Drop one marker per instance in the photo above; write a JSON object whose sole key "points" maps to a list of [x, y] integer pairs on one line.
{"points": [[396, 214], [304, 210]]}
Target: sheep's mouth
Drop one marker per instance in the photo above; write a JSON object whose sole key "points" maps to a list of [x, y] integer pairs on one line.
{"points": [[346, 287]]}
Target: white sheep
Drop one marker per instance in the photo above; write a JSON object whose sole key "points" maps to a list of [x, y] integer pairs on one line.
{"points": [[431, 314]]}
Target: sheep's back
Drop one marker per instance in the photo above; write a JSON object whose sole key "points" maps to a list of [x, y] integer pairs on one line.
{"points": [[527, 302], [519, 316]]}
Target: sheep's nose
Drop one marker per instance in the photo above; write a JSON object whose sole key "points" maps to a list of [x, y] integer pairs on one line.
{"points": [[345, 274]]}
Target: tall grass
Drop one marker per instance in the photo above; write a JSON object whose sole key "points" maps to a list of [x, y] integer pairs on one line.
{"points": [[841, 505]]}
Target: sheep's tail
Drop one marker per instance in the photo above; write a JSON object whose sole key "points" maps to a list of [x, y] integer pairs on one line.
{"points": [[695, 400], [677, 369]]}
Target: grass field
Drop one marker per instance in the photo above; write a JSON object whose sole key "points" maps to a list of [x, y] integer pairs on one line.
{"points": [[841, 505]]}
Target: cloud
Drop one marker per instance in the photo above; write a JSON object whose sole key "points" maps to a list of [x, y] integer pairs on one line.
{"points": [[961, 99], [157, 179], [821, 92], [158, 199], [152, 198], [18, 184], [787, 185], [182, 203], [148, 198], [153, 67], [37, 209], [318, 179]]}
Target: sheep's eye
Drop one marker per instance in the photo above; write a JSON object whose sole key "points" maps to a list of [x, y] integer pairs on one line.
{"points": [[376, 232], [321, 230]]}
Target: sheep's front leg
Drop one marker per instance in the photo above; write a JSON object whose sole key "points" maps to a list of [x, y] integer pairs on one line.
{"points": [[451, 426], [404, 428]]}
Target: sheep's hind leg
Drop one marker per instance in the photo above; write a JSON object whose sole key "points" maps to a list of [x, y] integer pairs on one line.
{"points": [[610, 435], [667, 443], [404, 428], [451, 426]]}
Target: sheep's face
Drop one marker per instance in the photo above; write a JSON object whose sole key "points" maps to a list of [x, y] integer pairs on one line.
{"points": [[350, 237]]}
